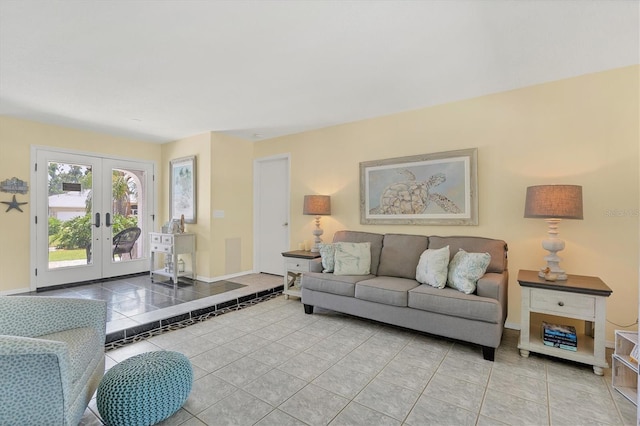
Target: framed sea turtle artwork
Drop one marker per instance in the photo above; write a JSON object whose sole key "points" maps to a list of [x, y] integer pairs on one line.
{"points": [[428, 189], [182, 193]]}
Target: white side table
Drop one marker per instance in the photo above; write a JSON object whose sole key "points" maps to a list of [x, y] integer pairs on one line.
{"points": [[172, 245], [579, 297], [295, 263]]}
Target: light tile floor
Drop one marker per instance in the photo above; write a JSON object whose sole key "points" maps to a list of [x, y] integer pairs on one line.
{"points": [[270, 364]]}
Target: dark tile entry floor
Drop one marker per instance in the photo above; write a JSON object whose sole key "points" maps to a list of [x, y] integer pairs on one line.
{"points": [[135, 304]]}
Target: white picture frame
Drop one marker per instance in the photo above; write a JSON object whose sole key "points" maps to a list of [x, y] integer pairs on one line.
{"points": [[182, 193]]}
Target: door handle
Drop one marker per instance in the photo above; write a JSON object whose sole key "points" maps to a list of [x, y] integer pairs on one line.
{"points": [[107, 220], [97, 224]]}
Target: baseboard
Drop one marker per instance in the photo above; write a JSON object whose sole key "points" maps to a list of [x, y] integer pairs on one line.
{"points": [[512, 325], [15, 291], [222, 277]]}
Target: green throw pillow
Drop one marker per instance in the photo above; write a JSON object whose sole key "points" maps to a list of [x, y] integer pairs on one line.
{"points": [[466, 269], [352, 259]]}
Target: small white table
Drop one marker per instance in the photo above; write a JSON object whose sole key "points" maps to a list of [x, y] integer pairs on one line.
{"points": [[579, 297], [172, 245], [295, 263]]}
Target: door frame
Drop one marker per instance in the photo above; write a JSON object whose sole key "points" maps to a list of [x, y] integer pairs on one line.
{"points": [[33, 200], [256, 206]]}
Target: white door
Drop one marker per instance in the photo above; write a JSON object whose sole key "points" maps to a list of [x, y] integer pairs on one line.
{"points": [[82, 204], [271, 213]]}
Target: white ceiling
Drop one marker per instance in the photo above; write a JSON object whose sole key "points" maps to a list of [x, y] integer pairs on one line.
{"points": [[162, 70]]}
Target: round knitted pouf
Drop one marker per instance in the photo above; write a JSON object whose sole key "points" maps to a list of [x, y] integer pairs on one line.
{"points": [[145, 389]]}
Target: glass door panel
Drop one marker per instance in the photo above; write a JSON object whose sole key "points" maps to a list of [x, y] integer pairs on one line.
{"points": [[65, 238], [129, 220], [69, 218]]}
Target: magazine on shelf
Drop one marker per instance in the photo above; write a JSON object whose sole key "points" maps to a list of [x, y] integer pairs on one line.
{"points": [[560, 340], [560, 331], [561, 346]]}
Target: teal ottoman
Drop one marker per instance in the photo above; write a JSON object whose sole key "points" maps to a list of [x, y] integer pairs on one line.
{"points": [[145, 389]]}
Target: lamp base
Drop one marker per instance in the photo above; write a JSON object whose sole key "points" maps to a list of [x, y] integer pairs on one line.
{"points": [[553, 244], [317, 240]]}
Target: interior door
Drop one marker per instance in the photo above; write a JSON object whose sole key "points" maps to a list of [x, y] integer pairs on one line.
{"points": [[82, 203], [271, 213]]}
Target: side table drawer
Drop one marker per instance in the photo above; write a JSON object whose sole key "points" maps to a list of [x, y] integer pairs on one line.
{"points": [[298, 265], [303, 265], [563, 303], [166, 248]]}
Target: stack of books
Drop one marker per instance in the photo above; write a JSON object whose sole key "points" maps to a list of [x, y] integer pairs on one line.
{"points": [[560, 336]]}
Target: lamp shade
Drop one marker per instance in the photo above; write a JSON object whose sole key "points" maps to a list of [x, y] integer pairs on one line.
{"points": [[317, 205], [554, 201]]}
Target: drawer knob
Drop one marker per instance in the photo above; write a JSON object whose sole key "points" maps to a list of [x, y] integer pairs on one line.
{"points": [[560, 303], [297, 265]]}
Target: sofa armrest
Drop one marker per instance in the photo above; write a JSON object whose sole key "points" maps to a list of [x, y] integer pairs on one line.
{"points": [[33, 316], [34, 381], [495, 286]]}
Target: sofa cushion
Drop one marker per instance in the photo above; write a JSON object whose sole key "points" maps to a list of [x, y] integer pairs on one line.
{"points": [[400, 255], [342, 285], [466, 269], [433, 267], [352, 259], [448, 301], [496, 248], [386, 290], [81, 343], [361, 237]]}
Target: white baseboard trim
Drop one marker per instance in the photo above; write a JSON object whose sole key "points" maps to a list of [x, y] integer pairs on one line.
{"points": [[512, 325], [15, 291], [222, 277]]}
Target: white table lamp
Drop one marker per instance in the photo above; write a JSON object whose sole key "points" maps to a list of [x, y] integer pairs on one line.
{"points": [[553, 203], [317, 205]]}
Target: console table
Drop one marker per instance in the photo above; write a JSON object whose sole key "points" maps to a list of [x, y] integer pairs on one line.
{"points": [[295, 263], [171, 245], [579, 297]]}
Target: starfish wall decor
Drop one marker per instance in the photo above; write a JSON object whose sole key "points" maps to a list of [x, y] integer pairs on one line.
{"points": [[13, 204]]}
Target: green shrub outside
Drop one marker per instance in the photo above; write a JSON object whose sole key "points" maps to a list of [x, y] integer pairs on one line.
{"points": [[76, 233]]}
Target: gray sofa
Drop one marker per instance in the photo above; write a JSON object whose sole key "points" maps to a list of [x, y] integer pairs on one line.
{"points": [[390, 293]]}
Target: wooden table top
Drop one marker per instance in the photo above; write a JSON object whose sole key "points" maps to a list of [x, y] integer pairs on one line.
{"points": [[574, 283]]}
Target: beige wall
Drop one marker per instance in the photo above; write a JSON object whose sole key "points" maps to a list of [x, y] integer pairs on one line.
{"points": [[200, 147], [582, 131], [224, 183], [232, 194], [16, 139]]}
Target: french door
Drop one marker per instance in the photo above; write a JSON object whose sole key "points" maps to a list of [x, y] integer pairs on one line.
{"points": [[92, 217]]}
